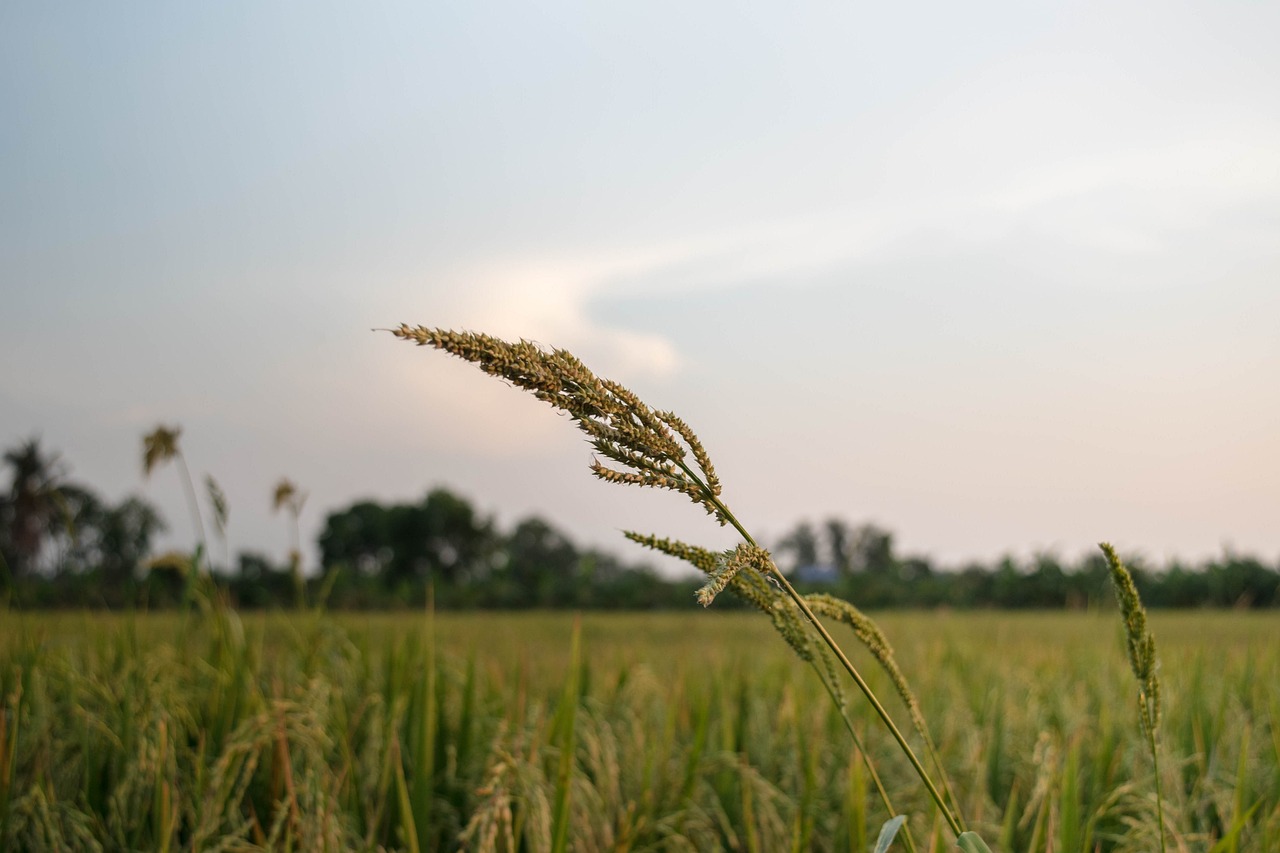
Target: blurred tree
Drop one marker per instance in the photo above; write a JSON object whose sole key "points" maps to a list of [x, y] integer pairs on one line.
{"points": [[441, 538], [32, 507], [916, 569], [802, 544], [124, 533], [358, 537], [72, 535], [542, 563], [872, 551], [258, 583], [1241, 582], [838, 542], [108, 542], [460, 545], [1048, 581]]}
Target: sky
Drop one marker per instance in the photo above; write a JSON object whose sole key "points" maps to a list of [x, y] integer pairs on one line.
{"points": [[999, 277]]}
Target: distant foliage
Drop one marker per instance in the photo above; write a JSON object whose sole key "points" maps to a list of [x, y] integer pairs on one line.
{"points": [[94, 554]]}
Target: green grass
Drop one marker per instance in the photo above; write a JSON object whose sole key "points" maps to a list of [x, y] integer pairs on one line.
{"points": [[673, 731]]}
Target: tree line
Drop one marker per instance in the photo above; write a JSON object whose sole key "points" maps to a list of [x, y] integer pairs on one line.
{"points": [[62, 545], [862, 564]]}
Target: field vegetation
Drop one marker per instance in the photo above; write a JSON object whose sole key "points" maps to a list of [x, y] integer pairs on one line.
{"points": [[538, 731]]}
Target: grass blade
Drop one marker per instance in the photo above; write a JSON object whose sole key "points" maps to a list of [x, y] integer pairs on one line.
{"points": [[969, 842], [888, 832]]}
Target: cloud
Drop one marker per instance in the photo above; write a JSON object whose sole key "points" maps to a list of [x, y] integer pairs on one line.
{"points": [[546, 300]]}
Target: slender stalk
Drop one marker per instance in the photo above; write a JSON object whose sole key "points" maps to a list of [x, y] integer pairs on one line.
{"points": [[1155, 761], [938, 799], [936, 760], [866, 759], [956, 826], [192, 505]]}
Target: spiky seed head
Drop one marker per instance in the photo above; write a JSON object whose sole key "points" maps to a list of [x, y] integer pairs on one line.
{"points": [[650, 448], [741, 558], [158, 447], [286, 494], [218, 499], [875, 641], [752, 586], [1138, 637]]}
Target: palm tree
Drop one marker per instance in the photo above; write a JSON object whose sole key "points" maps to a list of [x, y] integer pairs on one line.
{"points": [[288, 497], [161, 446], [30, 509]]}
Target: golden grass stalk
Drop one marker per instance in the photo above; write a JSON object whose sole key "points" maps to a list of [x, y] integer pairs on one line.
{"points": [[657, 449]]}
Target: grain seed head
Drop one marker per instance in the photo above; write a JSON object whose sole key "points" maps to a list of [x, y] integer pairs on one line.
{"points": [[741, 558], [1138, 637], [648, 448], [870, 635]]}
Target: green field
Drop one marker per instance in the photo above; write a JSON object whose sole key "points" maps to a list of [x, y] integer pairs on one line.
{"points": [[676, 731]]}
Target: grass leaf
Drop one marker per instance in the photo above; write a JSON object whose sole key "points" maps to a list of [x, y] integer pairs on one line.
{"points": [[888, 832], [969, 842]]}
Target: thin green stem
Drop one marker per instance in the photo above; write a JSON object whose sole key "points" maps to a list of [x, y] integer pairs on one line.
{"points": [[866, 759], [952, 820], [880, 710], [1155, 761], [936, 760]]}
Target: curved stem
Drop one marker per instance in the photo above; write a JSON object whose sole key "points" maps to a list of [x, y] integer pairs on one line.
{"points": [[956, 827]]}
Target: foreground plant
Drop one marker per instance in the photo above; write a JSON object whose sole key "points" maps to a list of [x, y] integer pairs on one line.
{"points": [[1142, 660], [641, 446]]}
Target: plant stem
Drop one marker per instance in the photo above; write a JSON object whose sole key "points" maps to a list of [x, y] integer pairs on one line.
{"points": [[1155, 761], [866, 759], [941, 802], [191, 503], [956, 827]]}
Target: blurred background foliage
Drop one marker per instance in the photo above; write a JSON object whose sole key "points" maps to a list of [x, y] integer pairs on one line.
{"points": [[63, 545]]}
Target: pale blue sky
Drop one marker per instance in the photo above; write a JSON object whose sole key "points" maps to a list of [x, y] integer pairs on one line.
{"points": [[1000, 277]]}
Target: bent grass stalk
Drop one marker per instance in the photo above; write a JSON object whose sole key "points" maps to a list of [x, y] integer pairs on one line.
{"points": [[657, 449]]}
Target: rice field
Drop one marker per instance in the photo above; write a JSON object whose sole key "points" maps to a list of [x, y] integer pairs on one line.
{"points": [[674, 731]]}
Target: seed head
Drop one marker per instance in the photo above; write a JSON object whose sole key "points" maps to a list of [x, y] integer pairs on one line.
{"points": [[650, 448], [1138, 637]]}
